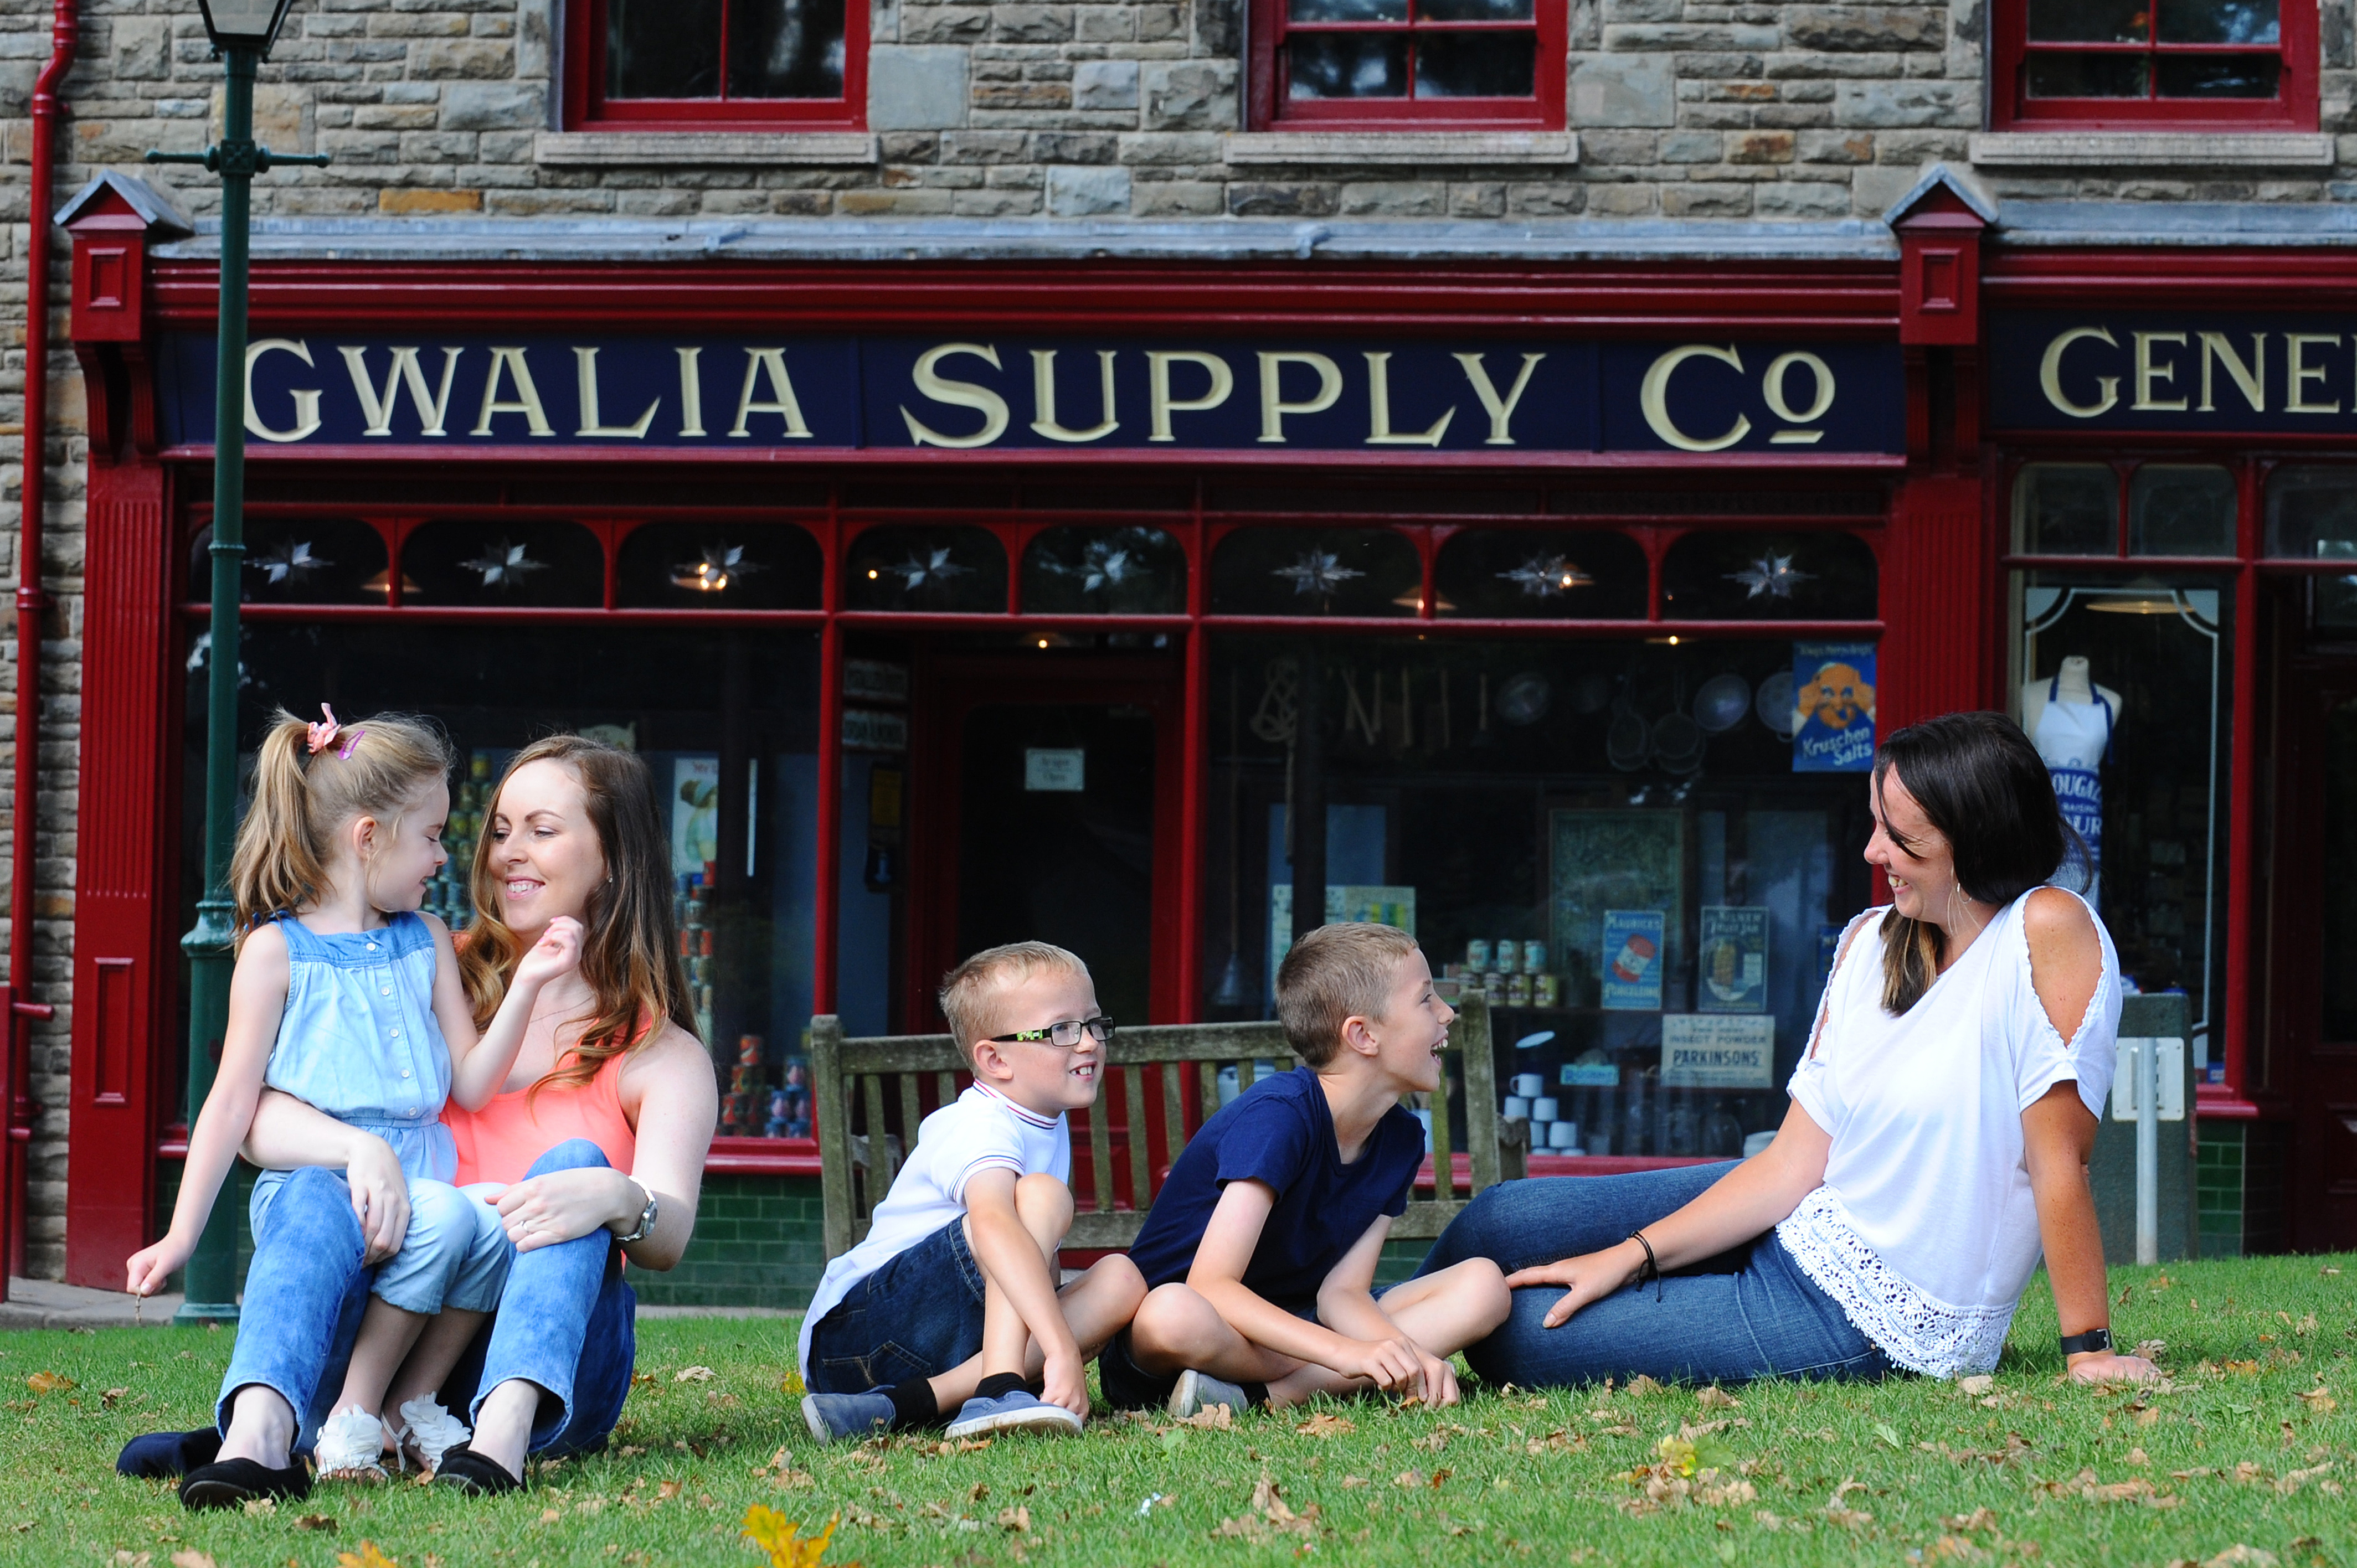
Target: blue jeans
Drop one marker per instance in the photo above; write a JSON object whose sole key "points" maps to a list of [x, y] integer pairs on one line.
{"points": [[917, 1316], [1748, 1313], [455, 1254], [567, 1324], [566, 1320]]}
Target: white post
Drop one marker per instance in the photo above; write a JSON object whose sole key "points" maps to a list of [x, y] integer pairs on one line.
{"points": [[2146, 1066]]}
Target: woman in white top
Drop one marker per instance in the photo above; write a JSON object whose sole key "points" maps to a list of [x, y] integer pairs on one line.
{"points": [[1942, 1120]]}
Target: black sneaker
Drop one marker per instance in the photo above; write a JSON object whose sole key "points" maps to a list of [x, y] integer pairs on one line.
{"points": [[473, 1474], [233, 1483]]}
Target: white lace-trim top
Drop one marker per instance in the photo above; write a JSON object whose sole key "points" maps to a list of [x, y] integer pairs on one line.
{"points": [[1925, 1230]]}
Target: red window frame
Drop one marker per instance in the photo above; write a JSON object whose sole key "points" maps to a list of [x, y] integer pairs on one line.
{"points": [[586, 107], [2294, 107], [1270, 109]]}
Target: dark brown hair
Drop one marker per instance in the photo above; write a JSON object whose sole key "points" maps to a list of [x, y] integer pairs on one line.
{"points": [[1334, 973], [1986, 790], [629, 952]]}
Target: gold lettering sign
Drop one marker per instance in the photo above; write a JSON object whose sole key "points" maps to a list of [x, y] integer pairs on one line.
{"points": [[2050, 375], [1654, 398]]}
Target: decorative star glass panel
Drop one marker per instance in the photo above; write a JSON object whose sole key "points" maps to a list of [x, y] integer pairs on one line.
{"points": [[1550, 575], [759, 567], [938, 569], [521, 563], [298, 561], [1105, 570], [1769, 576], [1315, 572]]}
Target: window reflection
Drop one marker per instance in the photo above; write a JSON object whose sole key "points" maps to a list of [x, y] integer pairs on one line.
{"points": [[1769, 576], [1316, 571], [299, 561], [2067, 508], [936, 569], [2312, 515], [2182, 509], [769, 566], [1105, 570], [511, 564], [1531, 574]]}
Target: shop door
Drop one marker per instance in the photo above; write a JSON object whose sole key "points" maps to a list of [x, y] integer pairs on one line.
{"points": [[1050, 799], [2316, 915]]}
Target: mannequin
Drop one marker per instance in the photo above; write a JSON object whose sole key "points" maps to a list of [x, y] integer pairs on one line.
{"points": [[2072, 721]]}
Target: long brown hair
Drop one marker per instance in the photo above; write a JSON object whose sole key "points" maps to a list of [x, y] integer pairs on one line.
{"points": [[1984, 788], [629, 953], [372, 768]]}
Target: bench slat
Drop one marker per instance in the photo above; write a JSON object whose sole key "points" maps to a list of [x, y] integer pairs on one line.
{"points": [[881, 1166], [1141, 1160], [1174, 1113], [1101, 1156]]}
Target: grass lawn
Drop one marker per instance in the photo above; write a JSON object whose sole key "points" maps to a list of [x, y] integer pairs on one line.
{"points": [[2248, 1448]]}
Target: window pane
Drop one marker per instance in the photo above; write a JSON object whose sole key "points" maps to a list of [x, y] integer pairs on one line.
{"points": [[726, 724], [1475, 65], [2219, 22], [1105, 570], [662, 48], [2089, 21], [1501, 572], [1340, 65], [1769, 576], [2182, 509], [1316, 571], [785, 49], [2219, 76], [1472, 794], [936, 569], [2066, 508], [1347, 10], [506, 564], [692, 566], [2086, 76], [1474, 10], [2312, 514], [307, 561]]}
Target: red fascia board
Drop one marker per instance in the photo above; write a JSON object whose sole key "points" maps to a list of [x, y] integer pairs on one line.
{"points": [[2218, 278]]}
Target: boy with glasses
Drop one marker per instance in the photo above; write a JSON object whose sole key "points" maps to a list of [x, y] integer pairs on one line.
{"points": [[950, 1303]]}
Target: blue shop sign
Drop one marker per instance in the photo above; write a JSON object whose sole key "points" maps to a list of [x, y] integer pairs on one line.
{"points": [[2173, 370], [979, 390]]}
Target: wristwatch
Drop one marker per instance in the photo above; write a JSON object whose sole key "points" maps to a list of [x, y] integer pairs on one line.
{"points": [[2094, 1339], [646, 1221]]}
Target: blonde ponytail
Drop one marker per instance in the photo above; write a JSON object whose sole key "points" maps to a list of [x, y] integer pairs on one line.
{"points": [[301, 798]]}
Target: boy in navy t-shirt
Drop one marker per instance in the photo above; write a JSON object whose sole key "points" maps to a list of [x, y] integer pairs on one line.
{"points": [[1260, 1253]]}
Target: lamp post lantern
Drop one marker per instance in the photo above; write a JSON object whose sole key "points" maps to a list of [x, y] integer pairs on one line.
{"points": [[242, 33]]}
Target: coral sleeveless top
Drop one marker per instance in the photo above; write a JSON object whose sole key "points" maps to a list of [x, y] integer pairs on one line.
{"points": [[499, 1142]]}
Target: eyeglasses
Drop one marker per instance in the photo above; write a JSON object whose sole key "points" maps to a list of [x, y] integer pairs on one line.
{"points": [[1064, 1034]]}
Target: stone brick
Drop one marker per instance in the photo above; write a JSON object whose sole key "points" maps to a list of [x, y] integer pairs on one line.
{"points": [[1865, 28], [474, 59], [895, 203], [1388, 199], [1190, 94], [1880, 103], [1761, 147], [1106, 84], [494, 105], [1693, 148], [1705, 199], [1172, 147], [142, 50], [1031, 24], [1623, 201], [916, 87], [1836, 147], [1622, 90], [403, 203], [1874, 190], [946, 25], [1563, 200], [1075, 147], [1105, 23], [1655, 39], [1086, 192], [1280, 198], [1016, 95], [1800, 198], [985, 146], [996, 202]]}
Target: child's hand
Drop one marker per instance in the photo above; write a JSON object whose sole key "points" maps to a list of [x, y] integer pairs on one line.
{"points": [[151, 1266], [1394, 1365], [558, 951], [1065, 1381]]}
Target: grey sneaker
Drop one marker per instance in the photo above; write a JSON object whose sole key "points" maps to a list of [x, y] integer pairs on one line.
{"points": [[1015, 1412], [1198, 1391], [833, 1418]]}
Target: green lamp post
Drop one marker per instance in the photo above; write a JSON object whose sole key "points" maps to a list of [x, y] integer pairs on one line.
{"points": [[242, 33]]}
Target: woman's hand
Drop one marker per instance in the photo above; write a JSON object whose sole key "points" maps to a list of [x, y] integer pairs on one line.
{"points": [[150, 1266], [2110, 1366], [1587, 1278], [564, 1205], [558, 951], [379, 1192]]}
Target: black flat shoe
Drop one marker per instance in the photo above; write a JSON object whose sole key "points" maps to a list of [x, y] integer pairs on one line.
{"points": [[233, 1483], [164, 1455], [473, 1474]]}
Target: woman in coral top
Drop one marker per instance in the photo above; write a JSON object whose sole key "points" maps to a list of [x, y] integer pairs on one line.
{"points": [[598, 1141]]}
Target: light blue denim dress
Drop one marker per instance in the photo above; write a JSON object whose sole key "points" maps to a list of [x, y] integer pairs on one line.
{"points": [[359, 1041]]}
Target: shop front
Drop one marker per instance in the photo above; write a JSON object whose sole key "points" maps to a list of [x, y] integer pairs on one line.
{"points": [[1549, 609]]}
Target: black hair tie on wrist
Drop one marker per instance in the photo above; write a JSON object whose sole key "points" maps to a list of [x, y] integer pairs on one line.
{"points": [[1651, 1270]]}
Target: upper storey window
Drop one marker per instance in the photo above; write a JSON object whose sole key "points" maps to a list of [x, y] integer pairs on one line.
{"points": [[709, 64], [2131, 64], [1438, 64]]}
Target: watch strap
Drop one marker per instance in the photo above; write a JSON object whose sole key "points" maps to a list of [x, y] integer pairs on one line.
{"points": [[2094, 1339], [646, 1220]]}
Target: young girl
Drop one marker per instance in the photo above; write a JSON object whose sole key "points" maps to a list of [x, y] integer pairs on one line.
{"points": [[347, 998]]}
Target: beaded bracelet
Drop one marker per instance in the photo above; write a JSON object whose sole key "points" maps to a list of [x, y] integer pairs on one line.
{"points": [[1650, 1269]]}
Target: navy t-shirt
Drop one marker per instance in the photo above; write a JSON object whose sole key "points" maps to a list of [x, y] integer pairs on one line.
{"points": [[1281, 1132]]}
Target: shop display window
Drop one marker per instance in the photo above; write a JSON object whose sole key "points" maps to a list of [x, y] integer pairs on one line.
{"points": [[727, 722], [2181, 508], [1769, 576], [1317, 572], [2168, 508], [689, 565], [2131, 63], [2066, 508], [517, 563], [1415, 62], [303, 561], [939, 569], [645, 64], [1611, 839], [1105, 570], [2312, 516], [1524, 575]]}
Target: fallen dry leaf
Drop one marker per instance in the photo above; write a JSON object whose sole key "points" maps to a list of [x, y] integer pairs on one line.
{"points": [[2318, 1400], [1717, 1398], [1979, 1519], [1016, 1519], [693, 1375], [192, 1559], [1977, 1385], [1641, 1386], [313, 1522], [1410, 1479], [1349, 1481], [2240, 1556], [1212, 1417], [1953, 1549], [131, 1560], [50, 1383], [1271, 1515], [261, 1508], [368, 1556], [111, 1395], [1324, 1426]]}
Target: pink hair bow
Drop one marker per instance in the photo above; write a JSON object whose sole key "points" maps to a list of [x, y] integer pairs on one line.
{"points": [[324, 735]]}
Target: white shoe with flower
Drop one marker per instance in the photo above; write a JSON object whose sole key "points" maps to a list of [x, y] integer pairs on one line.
{"points": [[351, 1447], [429, 1431]]}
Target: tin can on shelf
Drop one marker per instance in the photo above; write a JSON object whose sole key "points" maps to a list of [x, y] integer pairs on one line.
{"points": [[1493, 987], [1508, 955], [1535, 956], [1518, 990], [1546, 991], [1477, 956]]}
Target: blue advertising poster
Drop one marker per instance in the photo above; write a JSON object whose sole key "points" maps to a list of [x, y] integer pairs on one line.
{"points": [[1833, 707], [1734, 962], [1632, 969]]}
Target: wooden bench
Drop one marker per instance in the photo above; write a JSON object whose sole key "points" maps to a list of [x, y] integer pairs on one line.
{"points": [[871, 1093]]}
